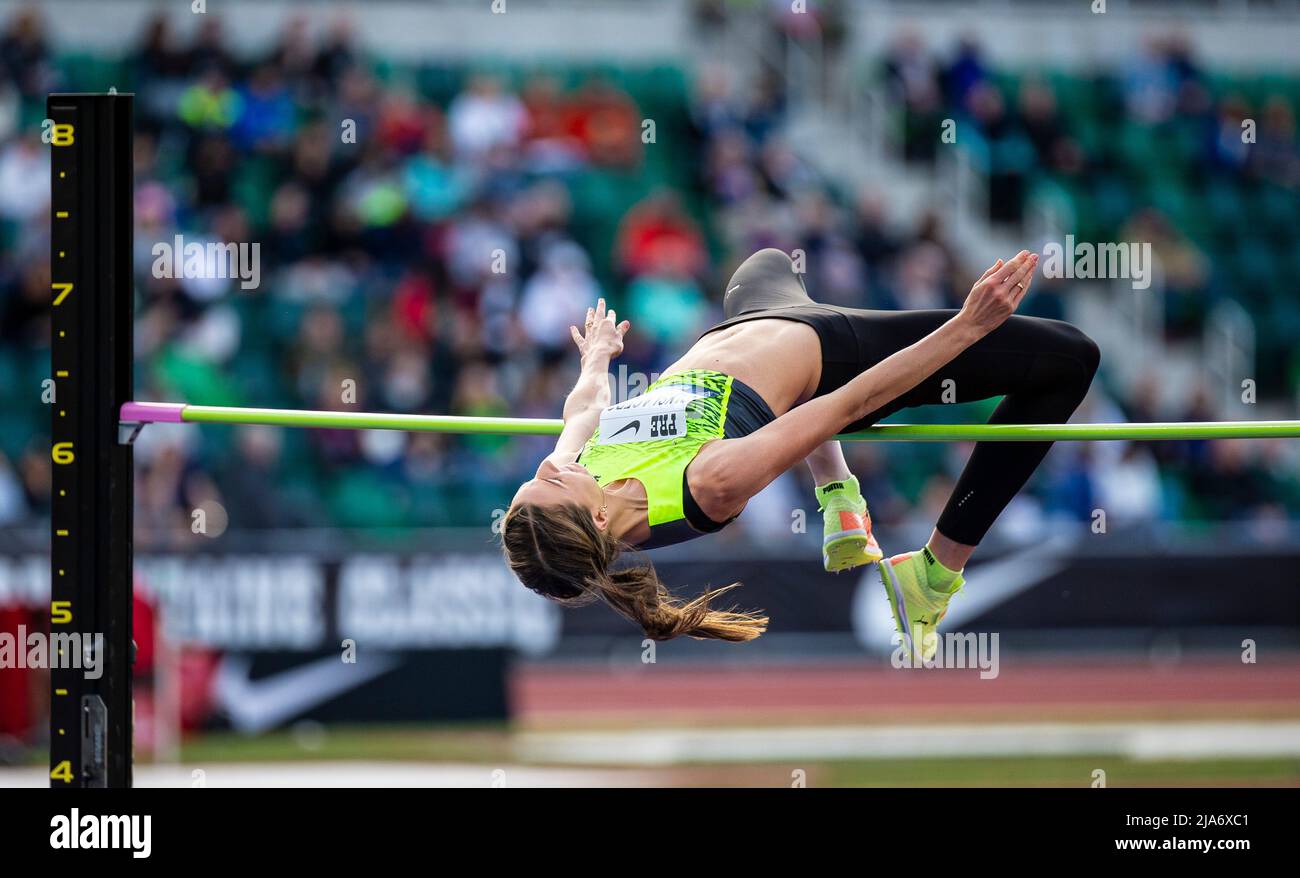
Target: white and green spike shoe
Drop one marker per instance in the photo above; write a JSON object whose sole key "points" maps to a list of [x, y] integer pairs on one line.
{"points": [[918, 607], [847, 541]]}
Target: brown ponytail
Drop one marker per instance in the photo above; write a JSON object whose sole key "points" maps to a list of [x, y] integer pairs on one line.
{"points": [[558, 552]]}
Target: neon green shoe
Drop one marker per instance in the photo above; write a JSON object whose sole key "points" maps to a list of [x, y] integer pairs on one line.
{"points": [[847, 540], [910, 582]]}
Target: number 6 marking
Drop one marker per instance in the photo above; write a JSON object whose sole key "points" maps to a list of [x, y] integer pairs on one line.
{"points": [[62, 453]]}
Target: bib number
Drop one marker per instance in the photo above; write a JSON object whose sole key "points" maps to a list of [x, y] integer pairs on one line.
{"points": [[660, 414]]}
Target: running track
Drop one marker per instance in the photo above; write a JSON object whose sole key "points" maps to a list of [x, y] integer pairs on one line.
{"points": [[1097, 689]]}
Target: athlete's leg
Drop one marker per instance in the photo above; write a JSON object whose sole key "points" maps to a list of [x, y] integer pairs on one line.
{"points": [[1042, 369], [827, 463], [847, 540], [950, 553]]}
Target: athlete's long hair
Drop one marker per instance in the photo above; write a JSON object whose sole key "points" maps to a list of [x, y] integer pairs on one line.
{"points": [[560, 553]]}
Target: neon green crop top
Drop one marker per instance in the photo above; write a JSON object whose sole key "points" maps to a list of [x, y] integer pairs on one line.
{"points": [[653, 437]]}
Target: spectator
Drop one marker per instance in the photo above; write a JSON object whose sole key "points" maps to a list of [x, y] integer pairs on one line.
{"points": [[25, 54], [656, 225], [24, 179], [485, 116], [556, 297]]}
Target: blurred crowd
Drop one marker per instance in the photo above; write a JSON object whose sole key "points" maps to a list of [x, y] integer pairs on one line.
{"points": [[1204, 164], [429, 234]]}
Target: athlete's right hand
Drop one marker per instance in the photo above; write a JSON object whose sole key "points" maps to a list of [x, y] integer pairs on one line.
{"points": [[996, 295], [602, 337]]}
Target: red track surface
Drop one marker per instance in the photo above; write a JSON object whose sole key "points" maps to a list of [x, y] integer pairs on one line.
{"points": [[1223, 689]]}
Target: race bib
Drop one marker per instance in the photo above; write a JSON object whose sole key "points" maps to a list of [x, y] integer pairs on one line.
{"points": [[659, 414]]}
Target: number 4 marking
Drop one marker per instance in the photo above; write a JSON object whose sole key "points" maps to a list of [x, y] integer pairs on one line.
{"points": [[62, 771], [63, 290]]}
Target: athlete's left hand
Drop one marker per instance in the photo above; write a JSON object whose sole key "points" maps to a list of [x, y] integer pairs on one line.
{"points": [[997, 294], [602, 337]]}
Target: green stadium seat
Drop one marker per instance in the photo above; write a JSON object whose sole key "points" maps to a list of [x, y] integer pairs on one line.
{"points": [[365, 499], [1226, 207], [10, 372], [17, 432]]}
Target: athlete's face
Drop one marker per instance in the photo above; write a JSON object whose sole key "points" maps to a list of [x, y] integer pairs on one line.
{"points": [[557, 484]]}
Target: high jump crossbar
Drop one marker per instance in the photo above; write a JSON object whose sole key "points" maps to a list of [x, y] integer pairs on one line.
{"points": [[140, 413], [94, 421]]}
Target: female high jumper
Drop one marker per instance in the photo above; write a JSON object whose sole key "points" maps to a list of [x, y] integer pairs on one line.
{"points": [[769, 386]]}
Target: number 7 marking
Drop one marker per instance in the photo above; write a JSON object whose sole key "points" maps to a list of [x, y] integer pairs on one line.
{"points": [[63, 290]]}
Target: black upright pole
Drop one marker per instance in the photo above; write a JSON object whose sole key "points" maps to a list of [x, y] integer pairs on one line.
{"points": [[91, 352]]}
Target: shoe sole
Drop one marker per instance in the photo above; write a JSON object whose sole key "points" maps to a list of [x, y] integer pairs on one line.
{"points": [[896, 603], [847, 550]]}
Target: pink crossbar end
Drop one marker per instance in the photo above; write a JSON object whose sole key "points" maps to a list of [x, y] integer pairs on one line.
{"points": [[152, 412]]}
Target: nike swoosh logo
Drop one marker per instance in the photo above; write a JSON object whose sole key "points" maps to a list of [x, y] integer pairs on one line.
{"points": [[634, 425], [996, 582], [258, 705]]}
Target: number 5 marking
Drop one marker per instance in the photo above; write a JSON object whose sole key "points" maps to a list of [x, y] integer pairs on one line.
{"points": [[60, 612]]}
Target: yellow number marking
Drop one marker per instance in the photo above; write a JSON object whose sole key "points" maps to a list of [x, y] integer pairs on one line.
{"points": [[60, 612]]}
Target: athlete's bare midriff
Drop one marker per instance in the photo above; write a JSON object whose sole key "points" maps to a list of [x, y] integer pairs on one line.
{"points": [[779, 359]]}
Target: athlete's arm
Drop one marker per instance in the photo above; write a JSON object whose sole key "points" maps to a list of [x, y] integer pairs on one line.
{"points": [[727, 473], [600, 342]]}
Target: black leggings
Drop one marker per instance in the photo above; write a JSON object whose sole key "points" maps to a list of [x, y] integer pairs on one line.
{"points": [[1042, 367]]}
